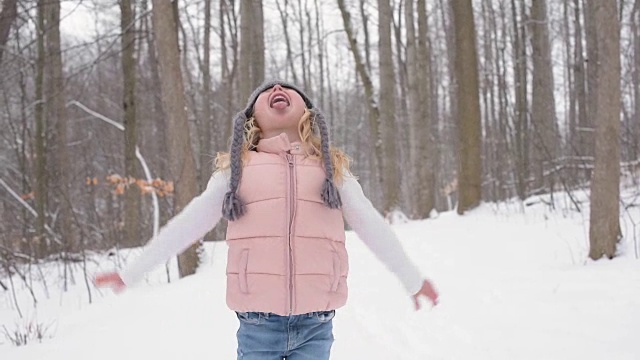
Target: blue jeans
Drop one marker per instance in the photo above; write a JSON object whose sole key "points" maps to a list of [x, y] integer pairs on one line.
{"points": [[266, 336]]}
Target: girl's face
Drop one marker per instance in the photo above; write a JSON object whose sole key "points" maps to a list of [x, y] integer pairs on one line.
{"points": [[279, 110]]}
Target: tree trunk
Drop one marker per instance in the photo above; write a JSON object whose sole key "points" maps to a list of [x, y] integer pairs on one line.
{"points": [[635, 126], [181, 162], [450, 124], [228, 74], [321, 52], [604, 224], [244, 67], [40, 140], [206, 155], [406, 199], [490, 89], [503, 146], [304, 65], [581, 89], [251, 65], [420, 141], [57, 112], [469, 141], [520, 79], [8, 15], [257, 45], [365, 30], [132, 234], [428, 131], [570, 89], [160, 145], [543, 116], [588, 127], [388, 127], [413, 101]]}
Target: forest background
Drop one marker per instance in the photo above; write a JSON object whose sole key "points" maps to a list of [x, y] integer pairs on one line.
{"points": [[112, 111]]}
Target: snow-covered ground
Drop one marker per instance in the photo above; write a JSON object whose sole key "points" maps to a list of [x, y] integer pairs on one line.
{"points": [[514, 280]]}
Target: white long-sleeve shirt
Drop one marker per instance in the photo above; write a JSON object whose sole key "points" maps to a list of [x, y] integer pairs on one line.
{"points": [[205, 210]]}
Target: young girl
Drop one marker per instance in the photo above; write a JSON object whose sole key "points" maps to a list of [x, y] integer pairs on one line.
{"points": [[284, 191]]}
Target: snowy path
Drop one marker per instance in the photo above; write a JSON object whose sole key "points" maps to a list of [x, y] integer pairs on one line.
{"points": [[512, 287]]}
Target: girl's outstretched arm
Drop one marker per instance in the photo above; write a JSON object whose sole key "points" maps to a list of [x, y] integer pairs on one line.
{"points": [[191, 224], [370, 226]]}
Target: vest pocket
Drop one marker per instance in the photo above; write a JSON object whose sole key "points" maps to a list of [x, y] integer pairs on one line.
{"points": [[242, 272], [336, 272]]}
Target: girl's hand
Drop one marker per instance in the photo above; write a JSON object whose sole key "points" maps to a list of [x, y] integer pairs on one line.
{"points": [[427, 291], [111, 280]]}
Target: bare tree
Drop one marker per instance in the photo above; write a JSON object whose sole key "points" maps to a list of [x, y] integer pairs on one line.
{"points": [[604, 224], [635, 73], [40, 143], [159, 127], [592, 60], [413, 99], [582, 127], [569, 88], [132, 195], [390, 170], [228, 21], [251, 66], [543, 115], [365, 30], [284, 18], [448, 149], [206, 155], [321, 55], [304, 65], [489, 97], [257, 44], [521, 131], [373, 112], [418, 83], [181, 162], [7, 17], [427, 130], [57, 112], [469, 142]]}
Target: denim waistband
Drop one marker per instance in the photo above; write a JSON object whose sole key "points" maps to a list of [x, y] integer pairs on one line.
{"points": [[267, 315]]}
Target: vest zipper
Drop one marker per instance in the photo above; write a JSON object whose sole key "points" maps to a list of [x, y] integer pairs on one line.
{"points": [[291, 210]]}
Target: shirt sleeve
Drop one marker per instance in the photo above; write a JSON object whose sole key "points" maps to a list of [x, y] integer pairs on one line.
{"points": [[191, 224], [377, 235]]}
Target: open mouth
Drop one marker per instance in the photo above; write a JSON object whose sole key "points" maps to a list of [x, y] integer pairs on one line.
{"points": [[279, 101]]}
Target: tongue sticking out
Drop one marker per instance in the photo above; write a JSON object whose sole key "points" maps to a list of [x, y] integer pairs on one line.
{"points": [[279, 105]]}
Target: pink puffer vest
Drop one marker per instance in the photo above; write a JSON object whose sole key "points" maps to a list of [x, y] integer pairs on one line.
{"points": [[286, 254]]}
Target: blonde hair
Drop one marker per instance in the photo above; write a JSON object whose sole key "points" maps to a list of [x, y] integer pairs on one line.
{"points": [[252, 135]]}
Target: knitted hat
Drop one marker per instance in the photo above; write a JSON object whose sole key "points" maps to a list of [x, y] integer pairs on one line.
{"points": [[233, 207]]}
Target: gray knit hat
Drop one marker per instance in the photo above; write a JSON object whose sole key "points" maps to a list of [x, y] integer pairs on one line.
{"points": [[233, 207]]}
